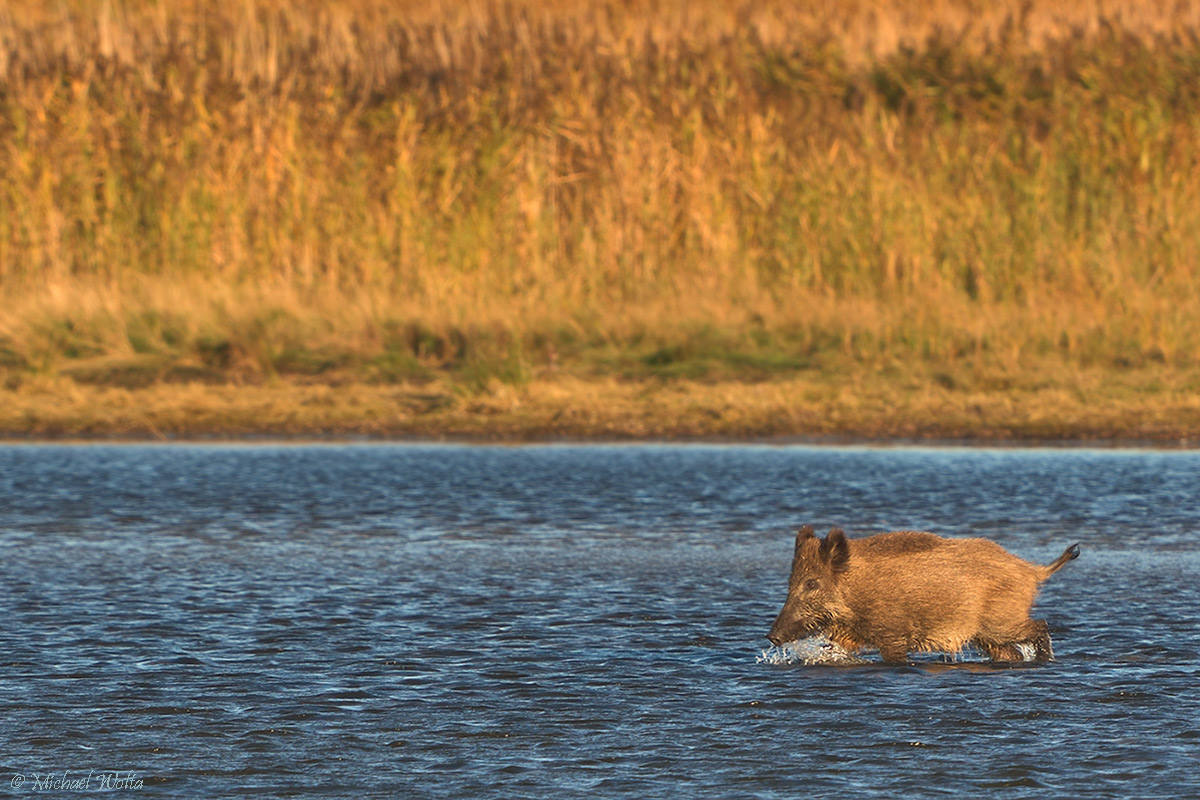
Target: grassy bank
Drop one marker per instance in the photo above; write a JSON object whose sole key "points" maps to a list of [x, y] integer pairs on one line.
{"points": [[887, 405], [926, 203]]}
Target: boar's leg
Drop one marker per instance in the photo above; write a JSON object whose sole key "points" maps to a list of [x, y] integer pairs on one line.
{"points": [[1036, 635], [1001, 651], [894, 652], [1041, 642]]}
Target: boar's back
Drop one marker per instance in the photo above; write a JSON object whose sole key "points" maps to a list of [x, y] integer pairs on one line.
{"points": [[898, 543]]}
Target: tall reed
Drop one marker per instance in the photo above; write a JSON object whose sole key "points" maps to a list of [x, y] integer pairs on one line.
{"points": [[264, 187]]}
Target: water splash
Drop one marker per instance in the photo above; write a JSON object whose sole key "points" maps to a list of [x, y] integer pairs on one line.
{"points": [[819, 650], [1028, 652], [813, 650]]}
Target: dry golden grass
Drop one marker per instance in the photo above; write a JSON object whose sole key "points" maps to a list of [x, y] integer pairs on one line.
{"points": [[380, 196], [860, 406]]}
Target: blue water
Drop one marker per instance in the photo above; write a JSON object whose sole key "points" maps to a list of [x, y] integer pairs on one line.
{"points": [[570, 621]]}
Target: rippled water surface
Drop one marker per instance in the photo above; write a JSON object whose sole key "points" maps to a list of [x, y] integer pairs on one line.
{"points": [[570, 621]]}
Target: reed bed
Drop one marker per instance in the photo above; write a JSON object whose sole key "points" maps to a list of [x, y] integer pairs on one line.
{"points": [[380, 192]]}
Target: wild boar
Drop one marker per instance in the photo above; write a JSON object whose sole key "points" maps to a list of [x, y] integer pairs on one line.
{"points": [[913, 591]]}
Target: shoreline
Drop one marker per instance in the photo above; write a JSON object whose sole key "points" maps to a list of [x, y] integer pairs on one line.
{"points": [[806, 410], [333, 440]]}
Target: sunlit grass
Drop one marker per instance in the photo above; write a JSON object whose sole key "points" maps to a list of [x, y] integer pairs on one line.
{"points": [[484, 193]]}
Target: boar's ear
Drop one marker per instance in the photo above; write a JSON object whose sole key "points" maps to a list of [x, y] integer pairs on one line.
{"points": [[836, 549], [804, 534]]}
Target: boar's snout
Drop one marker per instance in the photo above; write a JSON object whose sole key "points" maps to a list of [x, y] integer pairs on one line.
{"points": [[789, 625], [785, 630]]}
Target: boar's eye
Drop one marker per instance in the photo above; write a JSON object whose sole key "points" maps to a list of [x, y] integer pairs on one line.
{"points": [[811, 585]]}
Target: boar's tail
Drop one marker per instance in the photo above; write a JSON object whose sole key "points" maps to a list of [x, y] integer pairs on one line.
{"points": [[1070, 554]]}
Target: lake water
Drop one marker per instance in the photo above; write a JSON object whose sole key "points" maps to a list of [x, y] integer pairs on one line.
{"points": [[570, 621]]}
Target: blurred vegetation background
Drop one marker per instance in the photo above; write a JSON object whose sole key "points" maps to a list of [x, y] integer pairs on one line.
{"points": [[493, 193]]}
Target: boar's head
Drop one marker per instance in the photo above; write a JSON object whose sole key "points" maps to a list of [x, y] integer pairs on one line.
{"points": [[813, 599]]}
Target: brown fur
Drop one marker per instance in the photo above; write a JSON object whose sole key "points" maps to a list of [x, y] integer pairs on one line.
{"points": [[912, 591]]}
